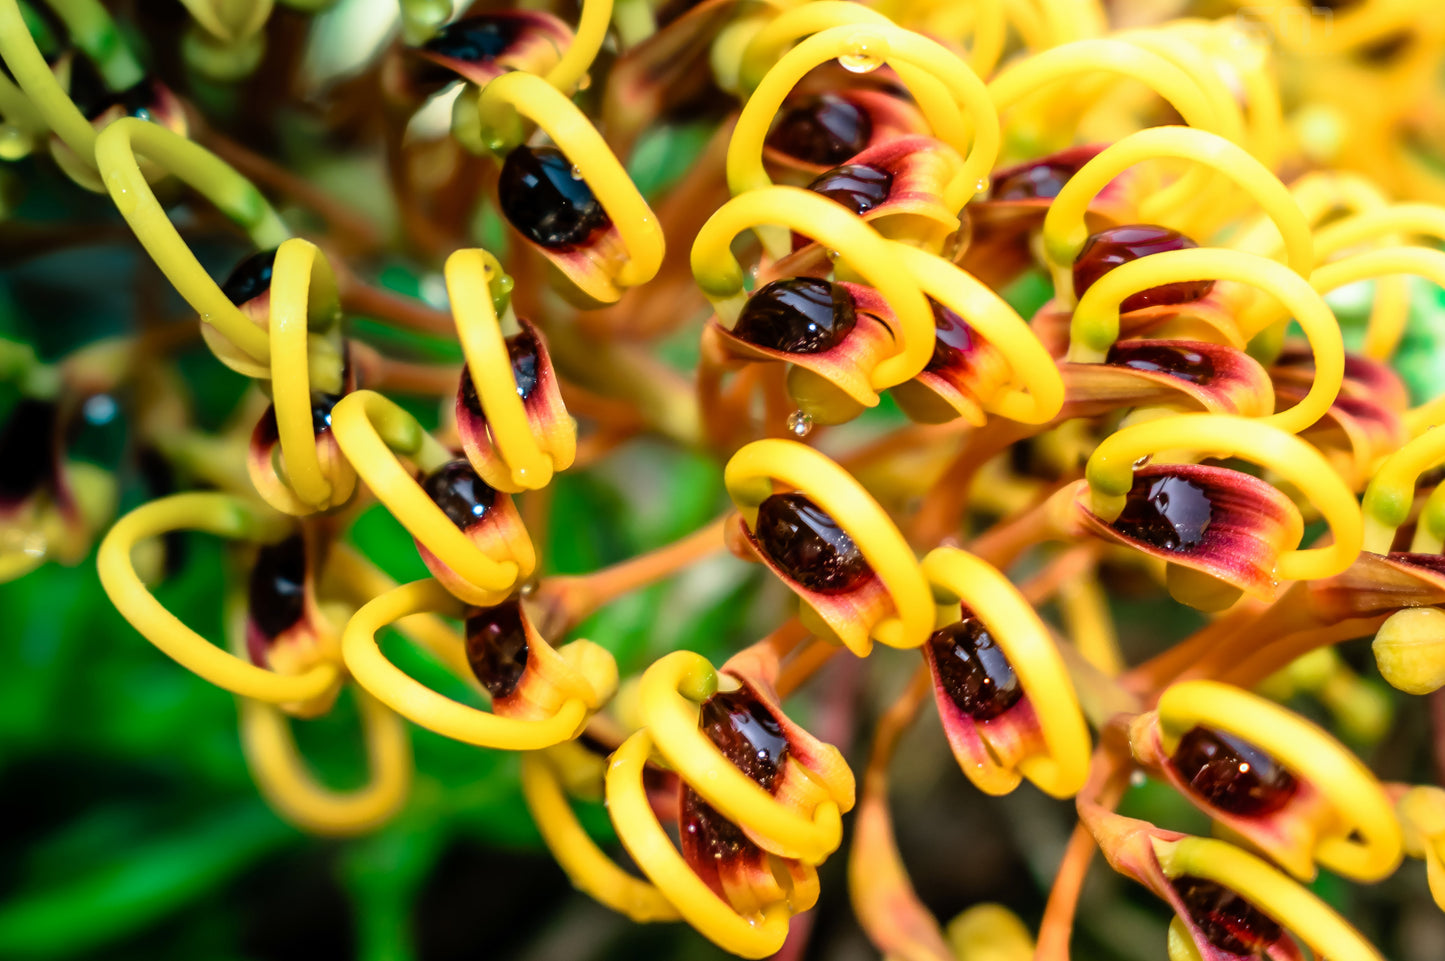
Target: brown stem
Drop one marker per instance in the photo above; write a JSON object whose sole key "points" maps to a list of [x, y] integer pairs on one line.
{"points": [[1279, 654], [1057, 926], [347, 228], [359, 297], [805, 664], [379, 372], [943, 506], [575, 598], [1437, 730]]}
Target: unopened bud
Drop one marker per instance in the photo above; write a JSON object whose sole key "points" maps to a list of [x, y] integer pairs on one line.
{"points": [[1410, 649]]}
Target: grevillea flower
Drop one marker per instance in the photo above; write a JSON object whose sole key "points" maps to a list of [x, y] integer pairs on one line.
{"points": [[1366, 420], [1001, 226], [1228, 904], [524, 675], [1270, 778], [480, 48], [757, 805], [1180, 374], [546, 416], [964, 372], [838, 331], [286, 630], [1219, 522], [898, 186], [484, 514], [816, 131]]}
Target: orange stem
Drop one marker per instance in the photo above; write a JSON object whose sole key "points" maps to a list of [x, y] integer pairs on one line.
{"points": [[576, 598], [807, 662]]}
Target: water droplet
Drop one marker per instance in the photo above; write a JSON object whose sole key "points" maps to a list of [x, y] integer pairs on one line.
{"points": [[1143, 460], [981, 186], [584, 81], [576, 172], [1137, 779], [861, 60], [99, 409], [800, 423], [833, 254], [529, 588]]}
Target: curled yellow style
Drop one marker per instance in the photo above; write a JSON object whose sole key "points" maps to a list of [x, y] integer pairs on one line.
{"points": [[1110, 474], [470, 274], [224, 516], [587, 670], [957, 576], [1364, 841], [370, 429], [749, 478]]}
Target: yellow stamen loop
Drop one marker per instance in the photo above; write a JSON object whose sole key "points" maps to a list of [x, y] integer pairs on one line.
{"points": [[1391, 492], [749, 478], [957, 576], [1071, 61], [1095, 324], [648, 844], [34, 76], [1425, 220], [302, 289], [355, 421], [768, 45], [233, 195], [588, 682], [469, 274], [1422, 812], [720, 275], [1307, 752], [1065, 233], [591, 871], [586, 42], [1000, 325], [915, 58], [1110, 474], [281, 773], [1270, 890], [670, 709], [224, 516], [513, 96], [1382, 335]]}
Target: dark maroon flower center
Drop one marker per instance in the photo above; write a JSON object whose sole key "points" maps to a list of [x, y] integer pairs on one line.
{"points": [[859, 187], [321, 406], [1227, 920], [1167, 512], [801, 315], [277, 591], [463, 496], [808, 545], [748, 734], [525, 355], [1232, 774], [544, 198], [497, 647], [1177, 362], [1119, 245], [974, 671], [475, 39], [824, 130], [251, 278], [28, 449], [952, 338], [1037, 181]]}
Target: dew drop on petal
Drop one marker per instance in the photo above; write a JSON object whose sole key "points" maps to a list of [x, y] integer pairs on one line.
{"points": [[800, 423], [1141, 462], [576, 172]]}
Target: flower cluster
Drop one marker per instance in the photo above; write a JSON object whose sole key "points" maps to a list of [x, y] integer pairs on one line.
{"points": [[1186, 409]]}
